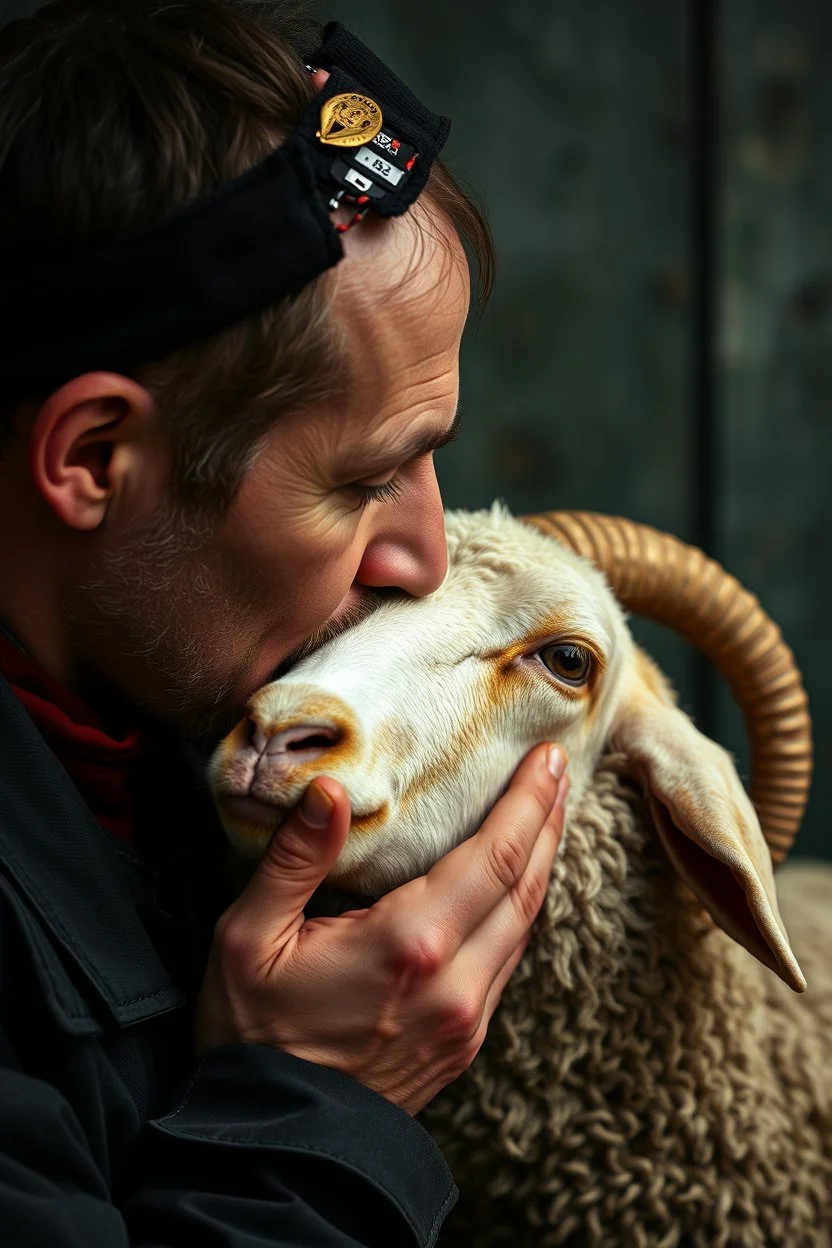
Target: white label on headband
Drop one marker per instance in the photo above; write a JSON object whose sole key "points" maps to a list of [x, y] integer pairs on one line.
{"points": [[365, 156], [358, 180]]}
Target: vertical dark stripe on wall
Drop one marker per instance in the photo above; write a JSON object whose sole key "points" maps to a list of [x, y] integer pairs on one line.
{"points": [[704, 480]]}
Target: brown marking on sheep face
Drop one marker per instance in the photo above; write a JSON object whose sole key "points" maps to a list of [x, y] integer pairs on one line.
{"points": [[372, 822], [553, 630], [391, 743], [471, 734], [505, 681], [548, 629]]}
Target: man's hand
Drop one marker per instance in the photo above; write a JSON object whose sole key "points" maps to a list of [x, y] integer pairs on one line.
{"points": [[398, 995]]}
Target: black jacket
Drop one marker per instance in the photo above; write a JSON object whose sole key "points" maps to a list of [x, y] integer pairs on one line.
{"points": [[111, 1134]]}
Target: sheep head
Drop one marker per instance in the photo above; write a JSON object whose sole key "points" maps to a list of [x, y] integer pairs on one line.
{"points": [[425, 708]]}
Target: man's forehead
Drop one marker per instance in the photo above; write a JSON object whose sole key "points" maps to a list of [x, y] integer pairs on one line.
{"points": [[402, 279], [381, 251], [402, 324]]}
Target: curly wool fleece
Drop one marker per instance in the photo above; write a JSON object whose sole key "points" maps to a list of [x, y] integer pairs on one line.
{"points": [[645, 1081]]}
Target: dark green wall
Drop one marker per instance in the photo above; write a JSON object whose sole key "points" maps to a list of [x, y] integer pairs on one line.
{"points": [[776, 340], [572, 120]]}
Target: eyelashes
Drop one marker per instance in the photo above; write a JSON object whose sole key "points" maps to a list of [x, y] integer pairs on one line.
{"points": [[377, 493]]}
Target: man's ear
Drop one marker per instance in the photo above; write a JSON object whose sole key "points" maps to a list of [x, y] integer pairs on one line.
{"points": [[704, 817], [83, 443]]}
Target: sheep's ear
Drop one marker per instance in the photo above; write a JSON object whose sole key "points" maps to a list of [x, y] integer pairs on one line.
{"points": [[704, 817]]}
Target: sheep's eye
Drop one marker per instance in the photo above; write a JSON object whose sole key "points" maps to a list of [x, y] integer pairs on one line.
{"points": [[569, 663]]}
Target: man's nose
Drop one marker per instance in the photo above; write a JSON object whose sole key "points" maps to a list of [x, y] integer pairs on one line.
{"points": [[410, 552]]}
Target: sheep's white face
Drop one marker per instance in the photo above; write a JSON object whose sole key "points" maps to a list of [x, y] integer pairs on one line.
{"points": [[424, 709]]}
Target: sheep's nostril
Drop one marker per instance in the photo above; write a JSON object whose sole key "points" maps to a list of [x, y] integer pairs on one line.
{"points": [[315, 742], [303, 742]]}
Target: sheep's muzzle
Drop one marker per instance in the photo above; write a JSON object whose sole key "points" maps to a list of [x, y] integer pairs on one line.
{"points": [[291, 733]]}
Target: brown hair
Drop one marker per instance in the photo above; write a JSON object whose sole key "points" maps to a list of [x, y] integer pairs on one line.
{"points": [[113, 114]]}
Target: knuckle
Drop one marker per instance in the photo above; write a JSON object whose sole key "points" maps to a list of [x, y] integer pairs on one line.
{"points": [[460, 1020], [507, 859], [417, 956]]}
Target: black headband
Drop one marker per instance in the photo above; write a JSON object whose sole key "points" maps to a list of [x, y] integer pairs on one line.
{"points": [[258, 239]]}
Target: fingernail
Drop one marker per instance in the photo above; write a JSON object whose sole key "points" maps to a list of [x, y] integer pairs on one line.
{"points": [[557, 761], [316, 806]]}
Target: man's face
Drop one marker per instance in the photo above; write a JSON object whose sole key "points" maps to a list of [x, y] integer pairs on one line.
{"points": [[189, 623]]}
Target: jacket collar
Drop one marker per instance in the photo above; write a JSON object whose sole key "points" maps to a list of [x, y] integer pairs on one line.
{"points": [[67, 868]]}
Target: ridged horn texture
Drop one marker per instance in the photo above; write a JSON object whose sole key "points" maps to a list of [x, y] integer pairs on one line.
{"points": [[656, 575]]}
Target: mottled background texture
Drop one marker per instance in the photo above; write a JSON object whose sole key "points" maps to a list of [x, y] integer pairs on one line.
{"points": [[574, 122]]}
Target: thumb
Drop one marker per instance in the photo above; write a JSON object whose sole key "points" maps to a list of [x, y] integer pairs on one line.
{"points": [[300, 854]]}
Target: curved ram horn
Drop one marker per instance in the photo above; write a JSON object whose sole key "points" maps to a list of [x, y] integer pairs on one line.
{"points": [[663, 578]]}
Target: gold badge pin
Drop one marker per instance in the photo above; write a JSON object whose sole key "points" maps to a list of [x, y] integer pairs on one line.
{"points": [[349, 120]]}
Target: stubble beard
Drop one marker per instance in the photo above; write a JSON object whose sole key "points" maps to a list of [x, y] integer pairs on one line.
{"points": [[155, 621]]}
